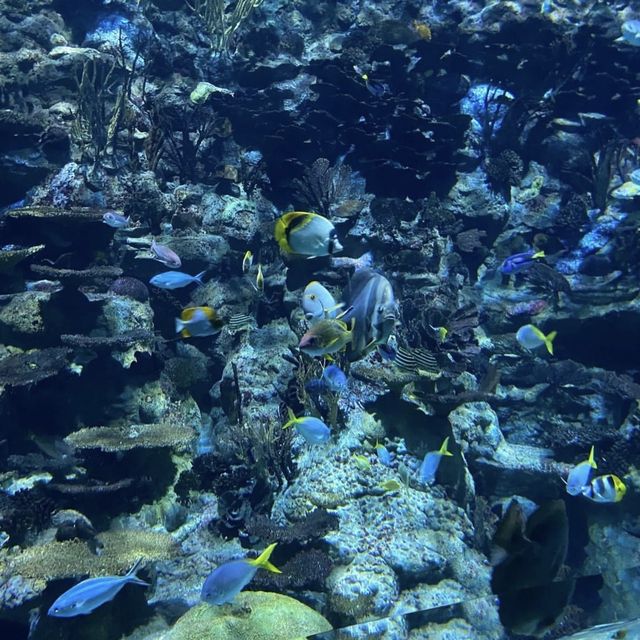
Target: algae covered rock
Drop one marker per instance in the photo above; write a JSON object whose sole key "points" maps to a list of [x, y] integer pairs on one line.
{"points": [[254, 615]]}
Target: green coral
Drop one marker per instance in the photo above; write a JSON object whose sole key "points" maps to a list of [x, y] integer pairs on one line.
{"points": [[254, 615], [126, 438], [73, 558]]}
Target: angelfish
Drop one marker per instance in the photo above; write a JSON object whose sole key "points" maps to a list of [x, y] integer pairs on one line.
{"points": [[89, 594], [229, 579], [431, 462]]}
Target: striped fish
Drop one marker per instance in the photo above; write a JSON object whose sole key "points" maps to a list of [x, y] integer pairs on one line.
{"points": [[239, 321], [416, 360]]}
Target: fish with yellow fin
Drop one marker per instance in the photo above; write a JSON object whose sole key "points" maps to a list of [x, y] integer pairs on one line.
{"points": [[306, 234], [326, 337], [198, 322], [608, 488], [247, 261]]}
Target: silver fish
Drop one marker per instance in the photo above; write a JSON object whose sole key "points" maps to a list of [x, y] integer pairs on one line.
{"points": [[370, 300], [116, 220], [175, 279], [167, 256], [89, 594]]}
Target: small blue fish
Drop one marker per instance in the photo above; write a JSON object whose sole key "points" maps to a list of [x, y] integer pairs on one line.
{"points": [[333, 380], [175, 279], [116, 220], [89, 594], [580, 475], [229, 579], [431, 462], [530, 337], [383, 454], [313, 430], [520, 261]]}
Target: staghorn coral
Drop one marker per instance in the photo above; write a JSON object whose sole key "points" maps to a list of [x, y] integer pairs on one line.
{"points": [[135, 436], [505, 170], [22, 369]]}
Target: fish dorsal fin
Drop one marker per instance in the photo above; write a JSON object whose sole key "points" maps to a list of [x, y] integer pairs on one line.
{"points": [[187, 313], [592, 460]]}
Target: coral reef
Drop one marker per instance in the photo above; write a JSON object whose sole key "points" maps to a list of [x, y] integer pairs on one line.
{"points": [[257, 616]]}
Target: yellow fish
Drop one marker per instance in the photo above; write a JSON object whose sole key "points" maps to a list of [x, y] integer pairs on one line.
{"points": [[247, 261], [198, 322], [306, 234]]}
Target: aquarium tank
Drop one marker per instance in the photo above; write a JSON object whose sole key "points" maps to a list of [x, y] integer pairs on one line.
{"points": [[319, 319]]}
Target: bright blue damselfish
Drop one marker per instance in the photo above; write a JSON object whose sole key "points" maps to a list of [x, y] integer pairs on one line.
{"points": [[89, 594], [175, 279]]}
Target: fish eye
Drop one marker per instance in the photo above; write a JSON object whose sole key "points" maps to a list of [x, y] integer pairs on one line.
{"points": [[312, 296]]}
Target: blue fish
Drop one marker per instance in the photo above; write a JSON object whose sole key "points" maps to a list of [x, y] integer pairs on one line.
{"points": [[313, 430], [89, 594], [116, 220], [333, 380], [520, 261], [431, 462], [580, 476], [175, 279], [229, 579], [383, 454]]}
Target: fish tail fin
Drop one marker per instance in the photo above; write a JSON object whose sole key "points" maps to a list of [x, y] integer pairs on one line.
{"points": [[262, 561], [131, 576], [198, 277], [548, 341], [538, 254], [444, 449], [592, 458], [292, 419], [181, 328], [365, 261]]}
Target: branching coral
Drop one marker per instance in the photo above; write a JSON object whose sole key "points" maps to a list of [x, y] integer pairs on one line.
{"points": [[220, 22], [323, 185]]}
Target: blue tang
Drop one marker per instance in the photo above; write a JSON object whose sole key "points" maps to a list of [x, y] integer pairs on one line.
{"points": [[229, 579], [313, 430], [89, 594], [530, 337], [580, 475], [175, 279], [431, 462], [520, 261]]}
